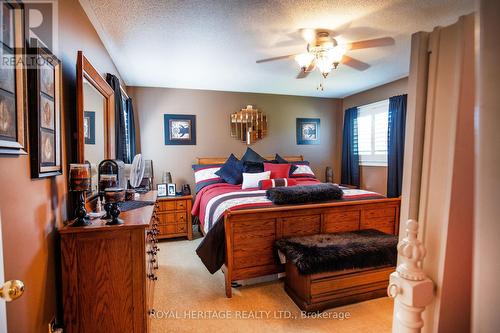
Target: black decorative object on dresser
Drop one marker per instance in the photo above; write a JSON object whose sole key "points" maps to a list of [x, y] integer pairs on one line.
{"points": [[111, 174], [44, 86], [80, 183]]}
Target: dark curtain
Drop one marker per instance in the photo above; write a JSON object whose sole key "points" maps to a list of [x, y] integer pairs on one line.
{"points": [[350, 156], [120, 139], [396, 145], [131, 128]]}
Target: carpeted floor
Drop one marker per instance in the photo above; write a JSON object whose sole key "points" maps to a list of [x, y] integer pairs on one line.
{"points": [[189, 299]]}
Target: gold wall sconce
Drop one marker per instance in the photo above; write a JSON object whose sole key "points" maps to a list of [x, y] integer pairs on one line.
{"points": [[248, 125]]}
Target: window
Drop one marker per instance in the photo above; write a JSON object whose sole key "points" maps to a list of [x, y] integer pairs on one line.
{"points": [[372, 133]]}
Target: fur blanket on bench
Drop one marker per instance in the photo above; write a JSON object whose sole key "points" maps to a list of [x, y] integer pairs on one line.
{"points": [[338, 251], [304, 194]]}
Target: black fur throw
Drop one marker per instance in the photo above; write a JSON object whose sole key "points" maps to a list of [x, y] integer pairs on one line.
{"points": [[304, 194], [339, 251]]}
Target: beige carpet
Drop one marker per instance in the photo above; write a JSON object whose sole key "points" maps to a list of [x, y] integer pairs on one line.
{"points": [[189, 299]]}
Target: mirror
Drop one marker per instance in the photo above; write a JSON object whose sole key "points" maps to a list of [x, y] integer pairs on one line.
{"points": [[95, 106], [94, 120], [248, 125]]}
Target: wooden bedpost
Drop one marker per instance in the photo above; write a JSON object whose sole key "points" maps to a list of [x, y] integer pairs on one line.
{"points": [[228, 267]]}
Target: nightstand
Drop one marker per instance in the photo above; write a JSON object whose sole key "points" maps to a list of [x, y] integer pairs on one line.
{"points": [[174, 216]]}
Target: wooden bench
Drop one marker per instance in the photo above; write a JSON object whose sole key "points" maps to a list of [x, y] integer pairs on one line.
{"points": [[320, 290]]}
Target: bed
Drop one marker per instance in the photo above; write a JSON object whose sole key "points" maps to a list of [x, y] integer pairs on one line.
{"points": [[241, 226]]}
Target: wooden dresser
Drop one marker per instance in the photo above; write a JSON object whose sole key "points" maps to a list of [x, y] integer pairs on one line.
{"points": [[174, 217], [108, 273]]}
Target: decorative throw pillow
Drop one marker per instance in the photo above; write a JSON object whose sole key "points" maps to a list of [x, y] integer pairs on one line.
{"points": [[278, 182], [253, 167], [231, 171], [251, 180], [281, 160], [278, 170], [251, 156], [303, 170], [205, 174]]}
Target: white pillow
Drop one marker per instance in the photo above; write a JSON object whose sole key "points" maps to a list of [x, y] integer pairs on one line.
{"points": [[251, 180]]}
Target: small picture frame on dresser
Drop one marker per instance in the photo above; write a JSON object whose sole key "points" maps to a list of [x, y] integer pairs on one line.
{"points": [[162, 190], [171, 190]]}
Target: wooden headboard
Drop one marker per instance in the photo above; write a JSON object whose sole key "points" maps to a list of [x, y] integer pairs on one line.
{"points": [[222, 160]]}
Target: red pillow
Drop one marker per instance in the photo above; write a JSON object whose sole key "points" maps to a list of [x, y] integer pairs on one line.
{"points": [[277, 170], [279, 182]]}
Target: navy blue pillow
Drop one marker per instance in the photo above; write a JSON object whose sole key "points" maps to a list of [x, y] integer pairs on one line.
{"points": [[232, 171], [253, 167], [281, 160], [252, 156]]}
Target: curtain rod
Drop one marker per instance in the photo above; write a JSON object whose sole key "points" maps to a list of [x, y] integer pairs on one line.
{"points": [[123, 92]]}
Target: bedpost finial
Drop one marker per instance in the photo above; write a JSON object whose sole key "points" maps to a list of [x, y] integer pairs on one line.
{"points": [[412, 253]]}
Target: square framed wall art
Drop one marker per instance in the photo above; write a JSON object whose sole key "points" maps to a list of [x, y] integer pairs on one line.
{"points": [[44, 82], [89, 127], [179, 129], [308, 131]]}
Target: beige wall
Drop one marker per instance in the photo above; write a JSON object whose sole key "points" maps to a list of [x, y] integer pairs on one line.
{"points": [[31, 210], [373, 178], [212, 110]]}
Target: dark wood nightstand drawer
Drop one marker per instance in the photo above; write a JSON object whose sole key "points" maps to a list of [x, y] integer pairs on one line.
{"points": [[181, 227], [167, 205], [166, 218], [174, 217], [181, 205], [168, 229], [181, 217]]}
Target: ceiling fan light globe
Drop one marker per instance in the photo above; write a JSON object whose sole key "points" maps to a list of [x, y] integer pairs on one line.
{"points": [[337, 53], [304, 59]]}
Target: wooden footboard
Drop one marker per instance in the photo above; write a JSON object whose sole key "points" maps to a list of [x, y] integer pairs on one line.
{"points": [[250, 234]]}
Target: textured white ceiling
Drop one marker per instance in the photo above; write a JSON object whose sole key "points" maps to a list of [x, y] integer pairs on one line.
{"points": [[214, 44]]}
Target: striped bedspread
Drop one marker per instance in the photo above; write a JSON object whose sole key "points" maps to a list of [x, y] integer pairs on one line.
{"points": [[212, 201]]}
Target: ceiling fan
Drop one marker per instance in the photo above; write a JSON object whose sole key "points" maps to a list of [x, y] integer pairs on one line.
{"points": [[325, 53]]}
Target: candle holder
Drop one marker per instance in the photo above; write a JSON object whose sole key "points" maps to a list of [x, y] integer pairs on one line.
{"points": [[79, 182], [113, 196]]}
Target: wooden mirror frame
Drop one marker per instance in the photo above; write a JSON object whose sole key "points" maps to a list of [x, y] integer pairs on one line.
{"points": [[85, 70]]}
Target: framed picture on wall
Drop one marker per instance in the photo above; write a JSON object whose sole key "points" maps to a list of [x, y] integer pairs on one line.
{"points": [[44, 83], [12, 79], [89, 127], [308, 131], [179, 129]]}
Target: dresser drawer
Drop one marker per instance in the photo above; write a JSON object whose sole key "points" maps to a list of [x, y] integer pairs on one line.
{"points": [[181, 205]]}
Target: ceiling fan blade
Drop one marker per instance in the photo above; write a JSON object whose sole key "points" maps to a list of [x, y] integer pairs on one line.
{"points": [[304, 73], [365, 44], [354, 63], [276, 58]]}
